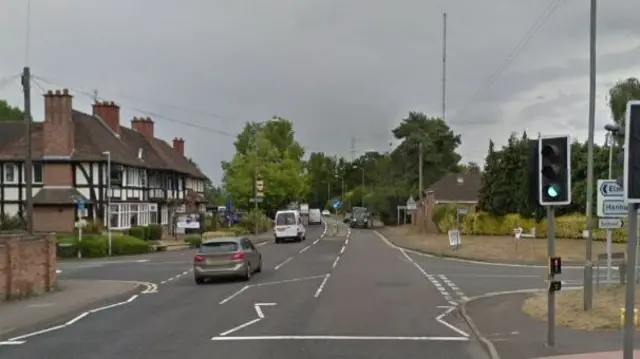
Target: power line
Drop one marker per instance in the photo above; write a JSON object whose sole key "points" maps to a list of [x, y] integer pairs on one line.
{"points": [[524, 40]]}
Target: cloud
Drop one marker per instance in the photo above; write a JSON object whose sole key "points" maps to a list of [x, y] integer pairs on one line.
{"points": [[337, 69]]}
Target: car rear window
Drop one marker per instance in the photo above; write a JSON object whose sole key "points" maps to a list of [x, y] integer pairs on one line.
{"points": [[218, 247], [286, 219]]}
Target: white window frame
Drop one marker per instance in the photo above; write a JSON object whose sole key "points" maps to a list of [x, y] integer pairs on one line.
{"points": [[125, 212], [14, 175]]}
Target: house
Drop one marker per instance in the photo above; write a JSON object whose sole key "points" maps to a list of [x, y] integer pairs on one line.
{"points": [[72, 152], [457, 188]]}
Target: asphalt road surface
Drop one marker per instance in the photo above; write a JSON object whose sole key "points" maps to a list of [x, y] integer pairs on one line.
{"points": [[331, 297], [464, 279]]}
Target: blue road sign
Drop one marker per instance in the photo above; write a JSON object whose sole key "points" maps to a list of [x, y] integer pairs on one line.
{"points": [[81, 204], [337, 204], [229, 204]]}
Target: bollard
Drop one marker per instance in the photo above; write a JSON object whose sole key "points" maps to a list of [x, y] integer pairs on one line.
{"points": [[635, 317]]}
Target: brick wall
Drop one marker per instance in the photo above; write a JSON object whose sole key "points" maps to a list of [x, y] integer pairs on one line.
{"points": [[27, 265]]}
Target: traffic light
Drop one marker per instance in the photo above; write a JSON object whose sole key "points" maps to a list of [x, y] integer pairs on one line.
{"points": [[554, 164], [631, 183]]}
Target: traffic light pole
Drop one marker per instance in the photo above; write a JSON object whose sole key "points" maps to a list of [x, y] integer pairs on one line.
{"points": [[551, 295], [629, 308]]}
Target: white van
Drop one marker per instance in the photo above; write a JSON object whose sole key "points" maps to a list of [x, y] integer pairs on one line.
{"points": [[315, 216], [288, 226]]}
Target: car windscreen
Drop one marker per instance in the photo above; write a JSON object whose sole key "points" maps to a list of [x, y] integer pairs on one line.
{"points": [[218, 247], [286, 219]]}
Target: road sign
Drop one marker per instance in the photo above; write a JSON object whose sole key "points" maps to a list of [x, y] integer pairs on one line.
{"points": [[610, 200], [257, 199], [463, 210], [337, 204], [411, 204], [610, 223]]}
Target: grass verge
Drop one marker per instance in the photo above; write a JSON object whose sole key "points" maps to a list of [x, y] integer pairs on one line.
{"points": [[604, 315], [494, 248]]}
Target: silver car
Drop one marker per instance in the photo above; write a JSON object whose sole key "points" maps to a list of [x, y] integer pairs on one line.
{"points": [[226, 257]]}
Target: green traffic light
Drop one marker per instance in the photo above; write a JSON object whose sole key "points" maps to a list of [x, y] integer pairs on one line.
{"points": [[553, 191]]}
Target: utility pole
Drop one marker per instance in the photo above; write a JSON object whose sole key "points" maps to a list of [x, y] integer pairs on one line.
{"points": [[588, 267], [420, 161], [353, 149], [444, 65], [95, 96], [28, 163]]}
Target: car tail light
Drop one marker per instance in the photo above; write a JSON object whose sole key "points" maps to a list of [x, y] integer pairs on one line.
{"points": [[237, 256], [198, 258]]}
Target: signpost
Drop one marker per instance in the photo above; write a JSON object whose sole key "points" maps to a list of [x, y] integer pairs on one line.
{"points": [[336, 205], [81, 206], [610, 205], [411, 204]]}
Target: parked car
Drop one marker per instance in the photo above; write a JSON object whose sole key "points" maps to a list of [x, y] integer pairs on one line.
{"points": [[326, 213], [226, 257]]}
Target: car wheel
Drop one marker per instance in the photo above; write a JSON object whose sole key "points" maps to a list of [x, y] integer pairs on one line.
{"points": [[199, 280], [247, 274], [259, 269]]}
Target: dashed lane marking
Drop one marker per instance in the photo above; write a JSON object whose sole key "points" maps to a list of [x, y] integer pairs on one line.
{"points": [[453, 287]]}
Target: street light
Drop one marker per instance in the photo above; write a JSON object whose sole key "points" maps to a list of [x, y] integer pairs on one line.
{"points": [[108, 154]]}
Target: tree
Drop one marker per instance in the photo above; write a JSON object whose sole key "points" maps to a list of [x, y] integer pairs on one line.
{"points": [[267, 150], [620, 94], [10, 113]]}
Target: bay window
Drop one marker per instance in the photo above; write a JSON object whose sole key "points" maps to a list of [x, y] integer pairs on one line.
{"points": [[127, 215]]}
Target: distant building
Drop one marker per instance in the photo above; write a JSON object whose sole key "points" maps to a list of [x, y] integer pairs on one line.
{"points": [[70, 164]]}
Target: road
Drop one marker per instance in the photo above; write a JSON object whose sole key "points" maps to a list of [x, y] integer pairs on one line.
{"points": [[465, 279], [333, 297]]}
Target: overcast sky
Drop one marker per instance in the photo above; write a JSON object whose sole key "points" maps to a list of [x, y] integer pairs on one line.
{"points": [[336, 68]]}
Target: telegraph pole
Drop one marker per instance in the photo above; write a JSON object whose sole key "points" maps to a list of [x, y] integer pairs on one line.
{"points": [[444, 65], [28, 163], [420, 170]]}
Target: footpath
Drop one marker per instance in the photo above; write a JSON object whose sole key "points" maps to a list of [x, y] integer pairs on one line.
{"points": [[71, 296], [517, 336]]}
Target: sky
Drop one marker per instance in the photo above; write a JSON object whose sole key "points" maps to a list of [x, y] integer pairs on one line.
{"points": [[339, 69]]}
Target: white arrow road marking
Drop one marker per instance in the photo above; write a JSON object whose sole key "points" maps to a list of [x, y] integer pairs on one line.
{"points": [[441, 320], [253, 321]]}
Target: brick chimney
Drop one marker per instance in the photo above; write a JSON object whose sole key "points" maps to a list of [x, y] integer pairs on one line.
{"points": [[58, 130], [109, 112], [143, 125], [178, 145], [58, 137]]}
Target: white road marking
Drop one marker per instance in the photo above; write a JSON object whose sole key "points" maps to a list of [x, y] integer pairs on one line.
{"points": [[240, 327], [287, 281], [441, 320], [304, 249], [335, 263], [70, 322], [338, 337], [342, 249], [234, 294], [321, 287], [261, 244], [151, 288], [259, 310], [453, 286], [17, 342], [316, 241], [283, 263]]}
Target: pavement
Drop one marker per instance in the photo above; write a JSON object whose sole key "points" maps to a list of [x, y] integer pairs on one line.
{"points": [[70, 296], [351, 295]]}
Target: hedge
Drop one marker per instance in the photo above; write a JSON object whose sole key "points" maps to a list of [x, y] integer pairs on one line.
{"points": [[95, 246], [481, 223]]}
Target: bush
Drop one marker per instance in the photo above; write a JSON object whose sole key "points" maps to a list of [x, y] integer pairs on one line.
{"points": [[154, 232], [194, 241], [138, 232], [8, 223], [95, 246], [481, 223], [253, 218], [93, 227]]}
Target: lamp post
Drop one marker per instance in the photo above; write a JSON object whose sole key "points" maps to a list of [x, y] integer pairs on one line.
{"points": [[108, 154]]}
